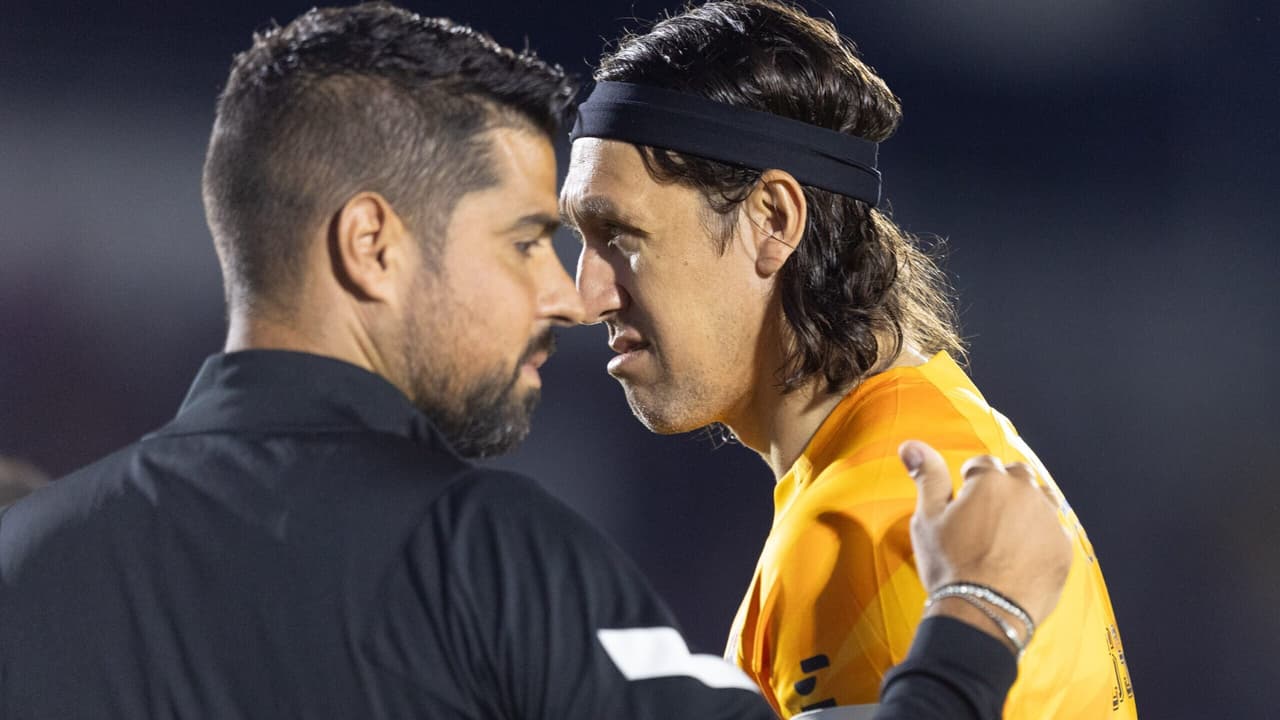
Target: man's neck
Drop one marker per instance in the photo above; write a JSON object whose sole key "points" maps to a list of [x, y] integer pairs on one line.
{"points": [[263, 331], [779, 426]]}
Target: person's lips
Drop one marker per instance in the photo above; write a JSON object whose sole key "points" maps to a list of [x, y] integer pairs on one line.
{"points": [[538, 352], [624, 344], [630, 348]]}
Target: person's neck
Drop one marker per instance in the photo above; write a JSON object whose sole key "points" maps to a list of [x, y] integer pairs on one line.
{"points": [[778, 426], [276, 331]]}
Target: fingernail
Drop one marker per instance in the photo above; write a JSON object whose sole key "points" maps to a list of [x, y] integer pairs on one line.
{"points": [[913, 459]]}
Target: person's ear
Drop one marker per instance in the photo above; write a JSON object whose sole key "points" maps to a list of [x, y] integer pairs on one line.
{"points": [[776, 213], [368, 247]]}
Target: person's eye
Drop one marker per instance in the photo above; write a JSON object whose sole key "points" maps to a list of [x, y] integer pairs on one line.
{"points": [[614, 237], [526, 247]]}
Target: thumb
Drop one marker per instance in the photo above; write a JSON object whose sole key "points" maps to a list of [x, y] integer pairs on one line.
{"points": [[933, 480]]}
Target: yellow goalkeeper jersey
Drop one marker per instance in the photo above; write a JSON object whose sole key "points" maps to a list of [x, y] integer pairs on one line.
{"points": [[836, 599]]}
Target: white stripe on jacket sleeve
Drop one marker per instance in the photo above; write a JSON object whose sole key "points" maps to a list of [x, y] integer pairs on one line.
{"points": [[657, 652]]}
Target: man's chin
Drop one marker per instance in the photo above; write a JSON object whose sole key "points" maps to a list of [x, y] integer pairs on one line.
{"points": [[515, 426], [657, 416], [489, 427], [491, 441]]}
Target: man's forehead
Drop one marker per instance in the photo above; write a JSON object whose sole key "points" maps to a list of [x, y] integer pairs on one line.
{"points": [[606, 178], [600, 160], [524, 165], [522, 157]]}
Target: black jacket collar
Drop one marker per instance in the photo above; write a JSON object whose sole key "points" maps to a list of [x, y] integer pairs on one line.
{"points": [[278, 391]]}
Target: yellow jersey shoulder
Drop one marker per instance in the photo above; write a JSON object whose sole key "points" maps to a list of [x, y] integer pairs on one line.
{"points": [[836, 597]]}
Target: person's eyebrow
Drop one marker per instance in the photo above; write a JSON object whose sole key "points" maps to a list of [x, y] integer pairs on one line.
{"points": [[545, 222], [598, 211]]}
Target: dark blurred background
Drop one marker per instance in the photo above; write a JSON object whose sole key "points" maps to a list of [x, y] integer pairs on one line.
{"points": [[1105, 175]]}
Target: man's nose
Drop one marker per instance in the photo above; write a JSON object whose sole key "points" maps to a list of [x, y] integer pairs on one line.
{"points": [[598, 287], [560, 301]]}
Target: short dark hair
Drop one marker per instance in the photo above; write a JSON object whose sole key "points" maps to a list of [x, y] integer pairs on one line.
{"points": [[856, 276], [365, 98]]}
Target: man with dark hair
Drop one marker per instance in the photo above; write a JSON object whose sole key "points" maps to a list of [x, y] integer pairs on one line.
{"points": [[723, 181], [393, 118], [304, 539]]}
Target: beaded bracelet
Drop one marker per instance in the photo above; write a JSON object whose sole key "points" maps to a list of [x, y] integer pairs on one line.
{"points": [[980, 596]]}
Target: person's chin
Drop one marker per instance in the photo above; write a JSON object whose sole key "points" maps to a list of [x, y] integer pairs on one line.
{"points": [[527, 398], [653, 411]]}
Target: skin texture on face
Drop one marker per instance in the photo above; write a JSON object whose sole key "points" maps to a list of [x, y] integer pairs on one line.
{"points": [[476, 328], [696, 330]]}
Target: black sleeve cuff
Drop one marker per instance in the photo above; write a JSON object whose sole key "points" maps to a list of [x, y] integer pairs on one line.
{"points": [[955, 666]]}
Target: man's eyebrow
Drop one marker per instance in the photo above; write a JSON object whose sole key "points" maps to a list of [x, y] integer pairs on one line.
{"points": [[547, 222], [597, 210]]}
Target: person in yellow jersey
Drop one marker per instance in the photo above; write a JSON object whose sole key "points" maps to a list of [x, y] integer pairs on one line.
{"points": [[723, 181]]}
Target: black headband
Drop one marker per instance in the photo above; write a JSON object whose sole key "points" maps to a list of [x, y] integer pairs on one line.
{"points": [[816, 156]]}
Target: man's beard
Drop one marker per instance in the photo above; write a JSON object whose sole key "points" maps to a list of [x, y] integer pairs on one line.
{"points": [[488, 416]]}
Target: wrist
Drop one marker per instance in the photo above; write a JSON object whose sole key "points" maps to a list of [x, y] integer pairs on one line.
{"points": [[958, 609], [997, 607]]}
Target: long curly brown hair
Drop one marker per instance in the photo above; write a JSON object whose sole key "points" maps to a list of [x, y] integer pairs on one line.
{"points": [[857, 287]]}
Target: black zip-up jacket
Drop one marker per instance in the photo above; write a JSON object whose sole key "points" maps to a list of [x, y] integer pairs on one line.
{"points": [[300, 542]]}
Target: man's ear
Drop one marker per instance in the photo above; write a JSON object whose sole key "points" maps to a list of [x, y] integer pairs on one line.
{"points": [[776, 212], [367, 247]]}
